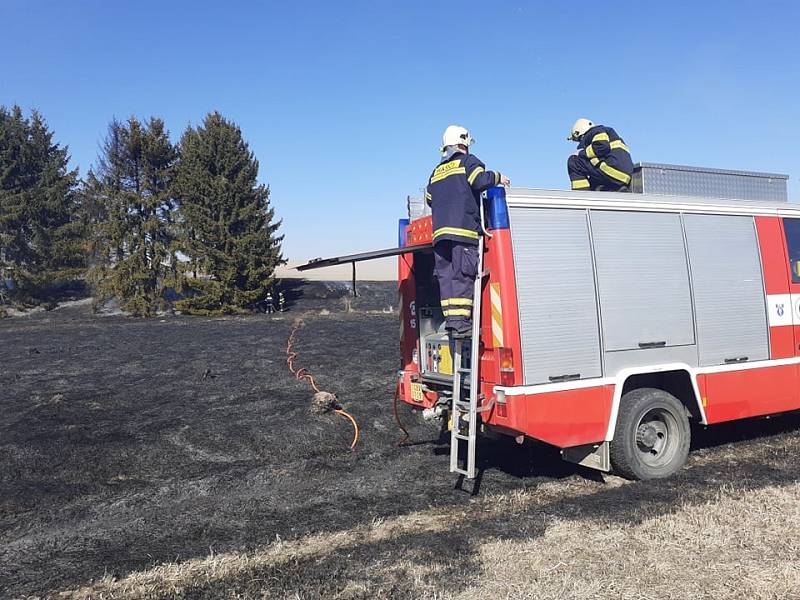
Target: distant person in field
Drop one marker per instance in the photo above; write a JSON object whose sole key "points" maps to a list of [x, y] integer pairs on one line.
{"points": [[602, 161], [453, 194]]}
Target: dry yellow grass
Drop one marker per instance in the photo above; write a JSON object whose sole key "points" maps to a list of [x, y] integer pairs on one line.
{"points": [[576, 538], [736, 546], [170, 580], [175, 579]]}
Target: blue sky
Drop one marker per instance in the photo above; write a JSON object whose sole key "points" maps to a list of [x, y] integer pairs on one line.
{"points": [[344, 103]]}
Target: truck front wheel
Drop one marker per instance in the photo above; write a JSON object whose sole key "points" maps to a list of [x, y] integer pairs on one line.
{"points": [[652, 436]]}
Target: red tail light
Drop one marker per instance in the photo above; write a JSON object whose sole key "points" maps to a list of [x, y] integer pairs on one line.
{"points": [[505, 362]]}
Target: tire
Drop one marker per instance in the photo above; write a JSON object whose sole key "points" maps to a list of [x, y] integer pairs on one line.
{"points": [[652, 437]]}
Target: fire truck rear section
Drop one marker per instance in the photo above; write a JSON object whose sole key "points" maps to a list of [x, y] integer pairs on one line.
{"points": [[610, 321]]}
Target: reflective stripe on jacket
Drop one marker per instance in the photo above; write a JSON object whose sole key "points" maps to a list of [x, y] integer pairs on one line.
{"points": [[603, 147], [453, 193]]}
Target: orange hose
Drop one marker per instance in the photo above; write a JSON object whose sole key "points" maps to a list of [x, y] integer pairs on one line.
{"points": [[347, 415], [303, 373], [291, 355]]}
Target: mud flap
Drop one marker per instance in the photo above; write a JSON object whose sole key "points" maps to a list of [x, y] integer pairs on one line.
{"points": [[593, 456]]}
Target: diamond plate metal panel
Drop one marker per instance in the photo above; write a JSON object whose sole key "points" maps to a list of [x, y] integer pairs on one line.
{"points": [[417, 208], [678, 180]]}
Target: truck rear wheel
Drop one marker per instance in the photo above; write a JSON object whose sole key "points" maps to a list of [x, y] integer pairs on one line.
{"points": [[652, 436]]}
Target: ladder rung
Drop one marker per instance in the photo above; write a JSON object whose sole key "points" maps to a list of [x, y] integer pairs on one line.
{"points": [[465, 399]]}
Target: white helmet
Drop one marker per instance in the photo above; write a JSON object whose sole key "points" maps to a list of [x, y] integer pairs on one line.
{"points": [[455, 135], [580, 127]]}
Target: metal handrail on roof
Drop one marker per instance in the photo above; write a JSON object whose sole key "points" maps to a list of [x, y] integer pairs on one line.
{"points": [[531, 197]]}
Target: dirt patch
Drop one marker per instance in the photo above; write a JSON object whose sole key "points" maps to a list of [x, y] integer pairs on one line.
{"points": [[180, 461]]}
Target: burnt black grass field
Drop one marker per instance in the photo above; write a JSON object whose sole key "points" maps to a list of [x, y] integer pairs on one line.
{"points": [[126, 444]]}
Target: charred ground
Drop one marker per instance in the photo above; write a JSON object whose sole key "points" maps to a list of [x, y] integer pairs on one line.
{"points": [[126, 444]]}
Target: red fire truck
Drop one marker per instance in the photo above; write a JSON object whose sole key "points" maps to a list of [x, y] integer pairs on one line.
{"points": [[608, 321]]}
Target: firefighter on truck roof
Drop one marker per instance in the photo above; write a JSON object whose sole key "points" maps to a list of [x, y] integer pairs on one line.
{"points": [[602, 160], [453, 194]]}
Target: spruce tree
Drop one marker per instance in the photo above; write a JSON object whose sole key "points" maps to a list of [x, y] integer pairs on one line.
{"points": [[41, 233], [128, 202], [228, 228]]}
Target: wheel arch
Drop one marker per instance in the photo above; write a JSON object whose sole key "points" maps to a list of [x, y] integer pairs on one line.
{"points": [[678, 379]]}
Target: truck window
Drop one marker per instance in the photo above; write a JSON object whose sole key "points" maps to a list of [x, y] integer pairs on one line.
{"points": [[792, 229]]}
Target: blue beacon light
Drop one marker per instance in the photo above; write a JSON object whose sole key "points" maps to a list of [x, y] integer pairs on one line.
{"points": [[496, 208]]}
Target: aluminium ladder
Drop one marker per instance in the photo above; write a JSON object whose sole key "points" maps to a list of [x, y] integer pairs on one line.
{"points": [[468, 410]]}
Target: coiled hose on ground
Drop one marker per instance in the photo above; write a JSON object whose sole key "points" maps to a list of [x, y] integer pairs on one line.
{"points": [[323, 401]]}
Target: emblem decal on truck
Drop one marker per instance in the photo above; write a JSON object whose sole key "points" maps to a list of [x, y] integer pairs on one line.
{"points": [[781, 309]]}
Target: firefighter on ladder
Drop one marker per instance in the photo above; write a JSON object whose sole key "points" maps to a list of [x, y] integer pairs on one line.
{"points": [[602, 160], [453, 194]]}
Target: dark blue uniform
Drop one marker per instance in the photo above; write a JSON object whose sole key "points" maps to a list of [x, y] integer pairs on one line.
{"points": [[603, 159], [453, 193]]}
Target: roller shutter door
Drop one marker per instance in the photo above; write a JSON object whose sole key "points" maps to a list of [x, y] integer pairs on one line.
{"points": [[643, 280], [728, 288], [556, 294]]}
